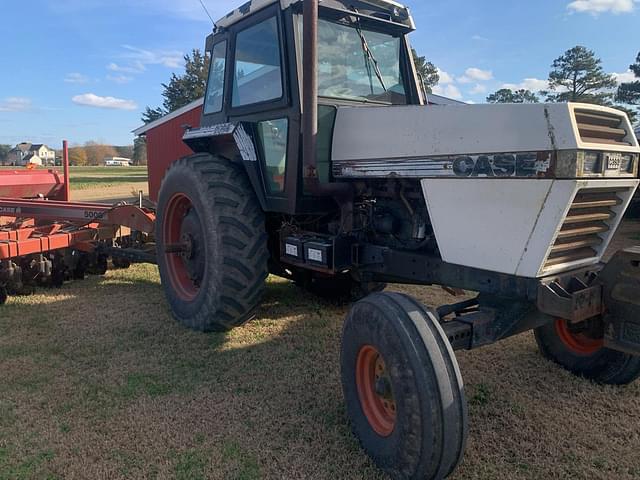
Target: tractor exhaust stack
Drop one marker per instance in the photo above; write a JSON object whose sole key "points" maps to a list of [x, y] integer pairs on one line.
{"points": [[341, 192]]}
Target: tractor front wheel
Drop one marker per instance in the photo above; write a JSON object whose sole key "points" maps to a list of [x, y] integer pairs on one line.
{"points": [[580, 349], [403, 388], [211, 243]]}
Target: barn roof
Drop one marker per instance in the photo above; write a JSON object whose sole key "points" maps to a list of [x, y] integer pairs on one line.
{"points": [[167, 118], [440, 100]]}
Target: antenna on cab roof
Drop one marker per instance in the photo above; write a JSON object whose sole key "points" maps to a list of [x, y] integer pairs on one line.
{"points": [[208, 14]]}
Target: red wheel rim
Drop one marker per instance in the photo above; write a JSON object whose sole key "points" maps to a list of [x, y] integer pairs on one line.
{"points": [[177, 209], [578, 343], [375, 391]]}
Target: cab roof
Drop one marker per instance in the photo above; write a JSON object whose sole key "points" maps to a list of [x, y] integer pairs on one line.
{"points": [[397, 13]]}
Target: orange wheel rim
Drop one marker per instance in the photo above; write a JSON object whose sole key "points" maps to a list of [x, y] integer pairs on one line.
{"points": [[578, 343], [375, 391]]}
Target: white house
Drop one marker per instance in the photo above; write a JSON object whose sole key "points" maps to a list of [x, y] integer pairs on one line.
{"points": [[25, 153]]}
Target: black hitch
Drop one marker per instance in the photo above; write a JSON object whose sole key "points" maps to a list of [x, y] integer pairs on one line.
{"points": [[621, 293]]}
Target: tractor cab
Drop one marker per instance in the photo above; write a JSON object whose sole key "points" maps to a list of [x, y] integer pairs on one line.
{"points": [[257, 81]]}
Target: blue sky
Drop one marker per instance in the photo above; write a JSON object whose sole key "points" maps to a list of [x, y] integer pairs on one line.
{"points": [[85, 69]]}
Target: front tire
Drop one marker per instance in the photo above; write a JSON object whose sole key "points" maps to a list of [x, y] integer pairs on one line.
{"points": [[403, 388], [580, 349], [211, 243]]}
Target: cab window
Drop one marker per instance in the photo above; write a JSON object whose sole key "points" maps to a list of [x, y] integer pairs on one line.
{"points": [[273, 139], [257, 72], [215, 89]]}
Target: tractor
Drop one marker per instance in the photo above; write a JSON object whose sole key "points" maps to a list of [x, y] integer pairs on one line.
{"points": [[319, 159]]}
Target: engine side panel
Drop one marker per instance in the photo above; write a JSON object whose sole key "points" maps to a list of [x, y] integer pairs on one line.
{"points": [[514, 226]]}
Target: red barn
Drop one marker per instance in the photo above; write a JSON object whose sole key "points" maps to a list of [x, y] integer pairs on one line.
{"points": [[164, 141]]}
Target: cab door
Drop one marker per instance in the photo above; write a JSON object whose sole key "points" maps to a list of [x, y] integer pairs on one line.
{"points": [[254, 92]]}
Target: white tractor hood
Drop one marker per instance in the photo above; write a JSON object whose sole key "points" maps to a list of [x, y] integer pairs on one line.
{"points": [[415, 132]]}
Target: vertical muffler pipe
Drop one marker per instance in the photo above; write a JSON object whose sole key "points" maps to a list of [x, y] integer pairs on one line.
{"points": [[310, 88], [342, 193]]}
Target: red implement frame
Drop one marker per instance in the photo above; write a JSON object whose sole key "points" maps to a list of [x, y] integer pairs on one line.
{"points": [[35, 225]]}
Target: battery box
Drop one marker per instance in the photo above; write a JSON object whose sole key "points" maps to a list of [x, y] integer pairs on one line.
{"points": [[325, 253], [319, 253], [294, 248]]}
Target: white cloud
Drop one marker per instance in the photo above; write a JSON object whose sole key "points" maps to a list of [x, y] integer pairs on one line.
{"points": [[533, 84], [479, 38], [475, 75], [76, 78], [450, 91], [602, 6], [444, 77], [93, 100], [119, 79], [15, 104], [134, 68], [135, 60], [625, 77], [166, 58], [478, 89]]}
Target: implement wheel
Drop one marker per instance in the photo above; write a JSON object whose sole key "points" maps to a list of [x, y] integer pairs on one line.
{"points": [[211, 243], [403, 388], [580, 349]]}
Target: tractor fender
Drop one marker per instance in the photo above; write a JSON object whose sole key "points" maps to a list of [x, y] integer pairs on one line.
{"points": [[233, 141], [621, 284]]}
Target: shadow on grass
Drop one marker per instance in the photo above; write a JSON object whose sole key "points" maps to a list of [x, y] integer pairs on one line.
{"points": [[117, 345]]}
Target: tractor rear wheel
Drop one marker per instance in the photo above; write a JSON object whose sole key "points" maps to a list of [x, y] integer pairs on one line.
{"points": [[580, 349], [211, 243], [403, 388]]}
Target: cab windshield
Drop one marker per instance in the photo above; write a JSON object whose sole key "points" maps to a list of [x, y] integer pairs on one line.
{"points": [[358, 64]]}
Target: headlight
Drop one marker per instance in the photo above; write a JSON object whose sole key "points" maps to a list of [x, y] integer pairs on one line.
{"points": [[576, 164], [591, 164]]}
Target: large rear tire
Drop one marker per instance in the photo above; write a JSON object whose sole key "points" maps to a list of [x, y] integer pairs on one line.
{"points": [[211, 243], [580, 349], [403, 388]]}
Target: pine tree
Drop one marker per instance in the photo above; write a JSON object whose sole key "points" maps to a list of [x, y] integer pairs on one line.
{"points": [[182, 89], [578, 76], [629, 93]]}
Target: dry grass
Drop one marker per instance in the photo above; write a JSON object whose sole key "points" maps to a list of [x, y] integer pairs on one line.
{"points": [[97, 381]]}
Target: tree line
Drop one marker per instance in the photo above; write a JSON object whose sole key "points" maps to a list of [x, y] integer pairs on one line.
{"points": [[578, 76], [94, 153], [575, 76]]}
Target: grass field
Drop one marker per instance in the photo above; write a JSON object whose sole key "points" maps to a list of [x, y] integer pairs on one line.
{"points": [[86, 178], [98, 382]]}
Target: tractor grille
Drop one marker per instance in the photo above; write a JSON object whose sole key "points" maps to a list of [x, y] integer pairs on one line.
{"points": [[599, 127], [586, 226]]}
